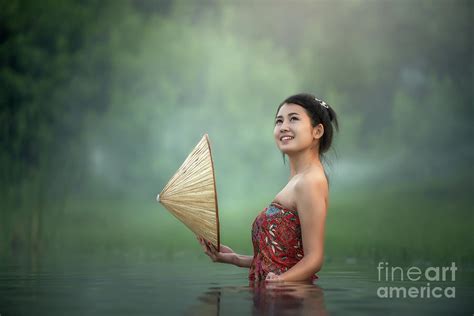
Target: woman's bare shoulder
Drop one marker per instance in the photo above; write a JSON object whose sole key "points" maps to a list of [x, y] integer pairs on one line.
{"points": [[312, 180], [311, 190]]}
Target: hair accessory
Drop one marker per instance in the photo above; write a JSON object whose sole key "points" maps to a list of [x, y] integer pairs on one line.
{"points": [[322, 103]]}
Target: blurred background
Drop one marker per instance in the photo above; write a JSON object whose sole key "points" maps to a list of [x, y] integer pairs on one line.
{"points": [[101, 102]]}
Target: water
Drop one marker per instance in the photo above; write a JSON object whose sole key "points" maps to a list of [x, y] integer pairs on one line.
{"points": [[124, 286]]}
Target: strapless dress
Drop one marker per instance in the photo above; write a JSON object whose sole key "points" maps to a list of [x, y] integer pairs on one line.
{"points": [[277, 243]]}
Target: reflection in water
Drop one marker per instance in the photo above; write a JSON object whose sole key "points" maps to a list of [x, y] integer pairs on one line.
{"points": [[289, 298], [209, 303]]}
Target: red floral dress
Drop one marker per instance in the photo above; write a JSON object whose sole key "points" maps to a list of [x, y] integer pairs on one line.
{"points": [[277, 243]]}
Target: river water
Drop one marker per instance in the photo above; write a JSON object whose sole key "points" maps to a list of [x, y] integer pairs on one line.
{"points": [[126, 286]]}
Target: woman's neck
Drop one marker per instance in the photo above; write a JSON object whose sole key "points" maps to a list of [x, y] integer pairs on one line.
{"points": [[302, 161]]}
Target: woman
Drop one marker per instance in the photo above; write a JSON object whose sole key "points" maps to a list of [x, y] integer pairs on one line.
{"points": [[288, 235]]}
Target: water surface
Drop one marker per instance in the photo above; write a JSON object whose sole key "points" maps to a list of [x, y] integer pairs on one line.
{"points": [[126, 286]]}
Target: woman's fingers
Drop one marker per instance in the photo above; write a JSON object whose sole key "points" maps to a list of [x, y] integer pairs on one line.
{"points": [[208, 248], [202, 244], [214, 248], [272, 277]]}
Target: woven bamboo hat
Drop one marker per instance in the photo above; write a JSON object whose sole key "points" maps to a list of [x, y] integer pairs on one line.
{"points": [[190, 195]]}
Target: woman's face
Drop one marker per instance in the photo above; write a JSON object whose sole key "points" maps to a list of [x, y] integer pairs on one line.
{"points": [[293, 131]]}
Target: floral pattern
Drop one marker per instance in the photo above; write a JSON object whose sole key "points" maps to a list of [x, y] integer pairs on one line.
{"points": [[277, 243]]}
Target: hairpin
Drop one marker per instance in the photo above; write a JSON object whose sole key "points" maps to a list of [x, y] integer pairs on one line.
{"points": [[322, 103]]}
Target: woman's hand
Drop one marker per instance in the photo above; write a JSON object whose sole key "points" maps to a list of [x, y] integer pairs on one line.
{"points": [[225, 255], [272, 277]]}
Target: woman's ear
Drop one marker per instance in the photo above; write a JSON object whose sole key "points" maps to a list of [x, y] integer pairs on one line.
{"points": [[318, 131]]}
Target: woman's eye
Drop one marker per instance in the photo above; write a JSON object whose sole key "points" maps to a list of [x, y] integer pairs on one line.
{"points": [[294, 118], [277, 121]]}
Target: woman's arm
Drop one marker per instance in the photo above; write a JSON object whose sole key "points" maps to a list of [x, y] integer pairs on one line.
{"points": [[311, 204], [242, 261], [225, 255]]}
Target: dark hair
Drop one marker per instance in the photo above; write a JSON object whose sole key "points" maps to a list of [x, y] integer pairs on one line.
{"points": [[319, 112]]}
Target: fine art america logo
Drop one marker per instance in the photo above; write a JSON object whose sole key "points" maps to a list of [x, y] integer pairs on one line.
{"points": [[391, 274]]}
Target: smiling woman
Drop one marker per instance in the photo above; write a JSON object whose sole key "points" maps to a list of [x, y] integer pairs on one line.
{"points": [[288, 235]]}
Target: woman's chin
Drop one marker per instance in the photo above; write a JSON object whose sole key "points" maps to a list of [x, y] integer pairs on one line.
{"points": [[287, 150]]}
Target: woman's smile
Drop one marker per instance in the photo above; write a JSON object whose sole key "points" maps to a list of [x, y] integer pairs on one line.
{"points": [[286, 138]]}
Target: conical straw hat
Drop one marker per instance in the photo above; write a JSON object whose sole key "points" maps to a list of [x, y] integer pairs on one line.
{"points": [[190, 195]]}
